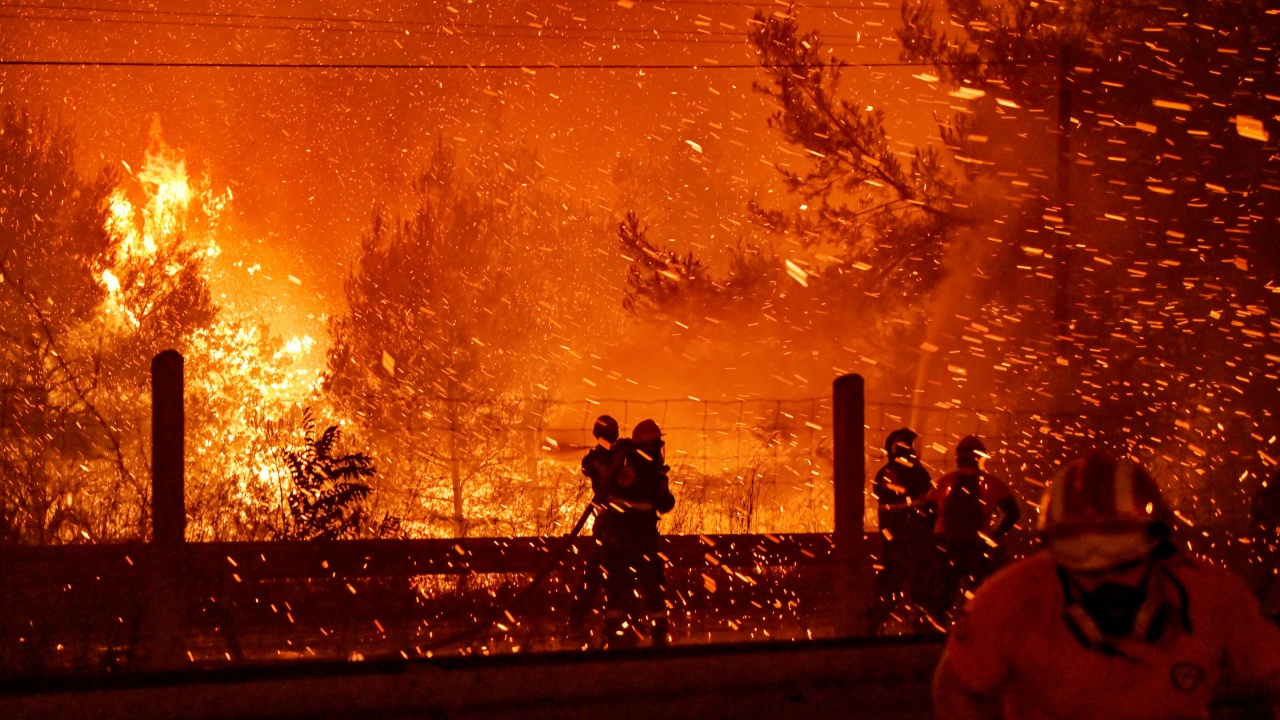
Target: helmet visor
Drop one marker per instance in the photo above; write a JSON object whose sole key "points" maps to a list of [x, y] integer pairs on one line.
{"points": [[1091, 551]]}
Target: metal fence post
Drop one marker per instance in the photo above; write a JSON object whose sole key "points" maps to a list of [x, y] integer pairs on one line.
{"points": [[853, 567]]}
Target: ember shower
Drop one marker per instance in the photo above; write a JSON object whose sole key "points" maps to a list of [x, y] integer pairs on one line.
{"points": [[428, 254]]}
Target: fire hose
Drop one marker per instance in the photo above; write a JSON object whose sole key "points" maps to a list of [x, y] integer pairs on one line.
{"points": [[490, 617]]}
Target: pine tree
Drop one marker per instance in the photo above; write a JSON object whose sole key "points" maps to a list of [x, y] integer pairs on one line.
{"points": [[884, 214], [458, 315], [53, 245]]}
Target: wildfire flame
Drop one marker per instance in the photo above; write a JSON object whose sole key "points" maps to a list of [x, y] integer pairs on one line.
{"points": [[167, 188], [162, 221]]}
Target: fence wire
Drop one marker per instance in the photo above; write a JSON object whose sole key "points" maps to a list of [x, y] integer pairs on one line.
{"points": [[737, 466], [741, 465]]}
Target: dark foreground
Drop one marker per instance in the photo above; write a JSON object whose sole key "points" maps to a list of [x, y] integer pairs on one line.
{"points": [[811, 679], [863, 679]]}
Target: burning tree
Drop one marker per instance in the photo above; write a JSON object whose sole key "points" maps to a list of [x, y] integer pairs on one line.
{"points": [[53, 247], [458, 314], [239, 401], [684, 190], [94, 285], [664, 283], [864, 246]]}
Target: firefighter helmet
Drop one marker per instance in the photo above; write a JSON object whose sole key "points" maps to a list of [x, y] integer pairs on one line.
{"points": [[606, 428], [971, 446], [645, 431], [1099, 513], [905, 436]]}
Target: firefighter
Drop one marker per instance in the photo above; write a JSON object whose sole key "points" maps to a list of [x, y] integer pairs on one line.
{"points": [[906, 528], [964, 503], [595, 465], [1110, 620], [636, 492], [1265, 543]]}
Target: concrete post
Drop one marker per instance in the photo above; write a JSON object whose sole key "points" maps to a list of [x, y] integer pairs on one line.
{"points": [[168, 506], [161, 644], [853, 566], [847, 427]]}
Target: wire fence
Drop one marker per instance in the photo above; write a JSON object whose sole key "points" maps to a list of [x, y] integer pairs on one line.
{"points": [[751, 465], [744, 471], [737, 466]]}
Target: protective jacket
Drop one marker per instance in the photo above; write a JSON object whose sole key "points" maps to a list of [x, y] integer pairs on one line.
{"points": [[966, 500], [1020, 639], [898, 486], [596, 467], [907, 532]]}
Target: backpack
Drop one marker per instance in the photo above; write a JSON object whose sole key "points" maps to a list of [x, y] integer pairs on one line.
{"points": [[623, 481], [638, 479], [963, 511]]}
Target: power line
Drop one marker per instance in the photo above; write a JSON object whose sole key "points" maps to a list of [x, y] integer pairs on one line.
{"points": [[774, 4], [717, 39], [383, 21], [440, 29], [539, 35], [292, 18], [529, 32], [483, 66]]}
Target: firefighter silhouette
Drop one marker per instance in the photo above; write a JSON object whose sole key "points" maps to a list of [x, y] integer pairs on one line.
{"points": [[636, 491]]}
